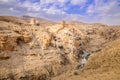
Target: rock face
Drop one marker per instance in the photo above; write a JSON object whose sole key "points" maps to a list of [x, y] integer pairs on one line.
{"points": [[9, 39], [65, 38], [110, 33], [4, 56], [103, 65], [57, 45], [7, 45], [34, 52]]}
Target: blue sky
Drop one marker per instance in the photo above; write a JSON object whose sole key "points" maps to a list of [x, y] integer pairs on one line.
{"points": [[89, 11]]}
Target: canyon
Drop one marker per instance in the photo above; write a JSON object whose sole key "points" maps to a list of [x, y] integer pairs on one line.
{"points": [[38, 49]]}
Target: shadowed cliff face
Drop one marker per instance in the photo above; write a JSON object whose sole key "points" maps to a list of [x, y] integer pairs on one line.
{"points": [[103, 65], [44, 51]]}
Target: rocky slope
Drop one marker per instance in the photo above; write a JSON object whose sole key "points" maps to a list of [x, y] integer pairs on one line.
{"points": [[25, 53], [40, 52], [12, 19], [103, 65]]}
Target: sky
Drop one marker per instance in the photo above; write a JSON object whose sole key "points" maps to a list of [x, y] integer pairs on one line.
{"points": [[88, 11]]}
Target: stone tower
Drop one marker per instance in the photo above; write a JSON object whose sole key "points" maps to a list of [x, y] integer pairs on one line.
{"points": [[63, 23], [33, 21]]}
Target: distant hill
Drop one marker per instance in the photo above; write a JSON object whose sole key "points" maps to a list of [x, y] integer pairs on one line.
{"points": [[13, 19], [41, 21], [76, 23], [25, 20]]}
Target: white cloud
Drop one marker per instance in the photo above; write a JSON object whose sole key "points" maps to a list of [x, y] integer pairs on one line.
{"points": [[75, 17], [7, 1], [30, 6], [57, 10], [105, 12], [78, 2], [11, 9], [53, 10], [47, 1], [62, 1], [91, 9], [4, 1], [52, 1], [102, 7]]}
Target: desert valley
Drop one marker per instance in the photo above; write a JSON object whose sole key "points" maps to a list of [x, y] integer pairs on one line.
{"points": [[38, 49]]}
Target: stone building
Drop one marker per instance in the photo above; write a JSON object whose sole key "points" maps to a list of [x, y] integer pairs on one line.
{"points": [[33, 22]]}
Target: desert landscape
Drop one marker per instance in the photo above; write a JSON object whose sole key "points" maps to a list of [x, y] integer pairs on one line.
{"points": [[34, 48]]}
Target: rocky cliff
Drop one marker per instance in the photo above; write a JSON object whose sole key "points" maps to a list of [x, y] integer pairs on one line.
{"points": [[41, 52]]}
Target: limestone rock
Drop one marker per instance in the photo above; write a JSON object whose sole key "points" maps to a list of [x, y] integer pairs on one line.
{"points": [[4, 56], [8, 43], [27, 38]]}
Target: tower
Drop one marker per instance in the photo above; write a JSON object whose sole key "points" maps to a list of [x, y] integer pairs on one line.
{"points": [[32, 21], [63, 23]]}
